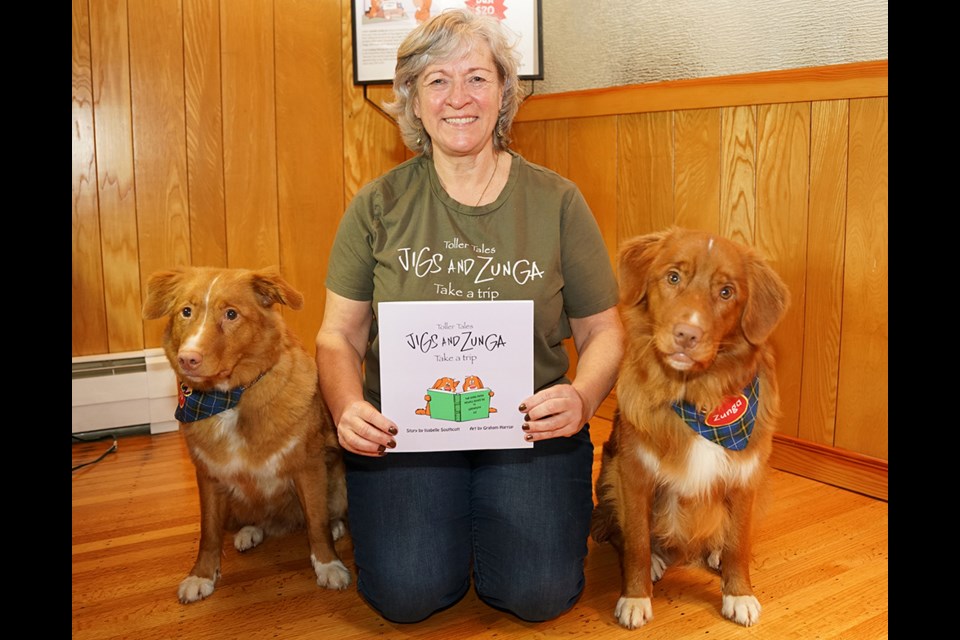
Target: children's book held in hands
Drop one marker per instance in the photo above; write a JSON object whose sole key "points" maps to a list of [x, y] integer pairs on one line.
{"points": [[453, 374]]}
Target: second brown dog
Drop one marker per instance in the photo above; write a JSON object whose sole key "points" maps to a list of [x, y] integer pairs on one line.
{"points": [[697, 408]]}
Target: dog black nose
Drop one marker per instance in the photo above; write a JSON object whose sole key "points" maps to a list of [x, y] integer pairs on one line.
{"points": [[686, 336]]}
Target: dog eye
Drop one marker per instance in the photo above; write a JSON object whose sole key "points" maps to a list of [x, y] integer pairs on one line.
{"points": [[232, 314], [726, 293], [186, 312], [673, 277]]}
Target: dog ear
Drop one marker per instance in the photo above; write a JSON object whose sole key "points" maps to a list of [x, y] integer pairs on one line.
{"points": [[636, 256], [161, 293], [270, 287], [767, 300]]}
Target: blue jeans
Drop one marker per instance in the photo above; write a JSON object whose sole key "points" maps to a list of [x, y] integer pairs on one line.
{"points": [[520, 517]]}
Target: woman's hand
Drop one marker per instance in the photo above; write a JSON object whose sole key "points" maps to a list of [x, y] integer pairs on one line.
{"points": [[555, 412], [364, 430]]}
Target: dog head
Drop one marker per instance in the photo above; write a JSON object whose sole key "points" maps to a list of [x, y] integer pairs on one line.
{"points": [[698, 295], [223, 329]]}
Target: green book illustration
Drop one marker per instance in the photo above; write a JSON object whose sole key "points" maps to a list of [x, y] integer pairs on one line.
{"points": [[459, 407]]}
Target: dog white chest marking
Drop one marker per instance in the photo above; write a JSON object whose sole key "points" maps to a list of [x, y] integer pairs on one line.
{"points": [[707, 463], [193, 342], [267, 474]]}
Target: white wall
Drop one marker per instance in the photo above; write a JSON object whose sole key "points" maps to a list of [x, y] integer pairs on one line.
{"points": [[591, 44]]}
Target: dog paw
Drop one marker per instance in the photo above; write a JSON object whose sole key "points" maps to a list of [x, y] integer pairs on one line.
{"points": [[331, 575], [743, 610], [633, 613], [713, 560], [658, 564], [194, 588], [338, 528], [247, 538]]}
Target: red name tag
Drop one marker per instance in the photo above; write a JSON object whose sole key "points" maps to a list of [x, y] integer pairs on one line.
{"points": [[730, 410]]}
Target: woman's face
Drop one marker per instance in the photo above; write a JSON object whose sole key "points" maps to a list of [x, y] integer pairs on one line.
{"points": [[458, 102]]}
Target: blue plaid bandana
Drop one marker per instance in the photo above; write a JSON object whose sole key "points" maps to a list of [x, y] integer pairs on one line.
{"points": [[731, 423], [195, 405]]}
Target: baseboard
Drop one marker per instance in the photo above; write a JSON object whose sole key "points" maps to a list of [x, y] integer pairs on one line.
{"points": [[830, 465]]}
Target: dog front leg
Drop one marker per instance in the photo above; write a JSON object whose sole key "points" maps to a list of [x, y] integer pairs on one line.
{"points": [[635, 608], [311, 486], [206, 570], [739, 603]]}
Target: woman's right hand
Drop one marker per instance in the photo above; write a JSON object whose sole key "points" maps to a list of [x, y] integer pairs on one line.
{"points": [[364, 430]]}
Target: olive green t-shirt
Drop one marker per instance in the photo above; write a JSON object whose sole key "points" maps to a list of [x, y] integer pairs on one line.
{"points": [[403, 238]]}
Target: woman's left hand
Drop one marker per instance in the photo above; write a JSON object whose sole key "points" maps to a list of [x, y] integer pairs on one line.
{"points": [[555, 412]]}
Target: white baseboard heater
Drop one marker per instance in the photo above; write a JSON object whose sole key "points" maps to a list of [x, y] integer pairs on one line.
{"points": [[120, 390]]}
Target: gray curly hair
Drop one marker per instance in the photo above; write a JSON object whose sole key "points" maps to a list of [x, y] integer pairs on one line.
{"points": [[449, 34]]}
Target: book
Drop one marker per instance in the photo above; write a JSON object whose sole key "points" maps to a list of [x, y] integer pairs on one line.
{"points": [[459, 407], [453, 374]]}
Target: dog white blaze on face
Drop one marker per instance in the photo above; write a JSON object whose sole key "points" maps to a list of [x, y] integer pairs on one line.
{"points": [[193, 341]]}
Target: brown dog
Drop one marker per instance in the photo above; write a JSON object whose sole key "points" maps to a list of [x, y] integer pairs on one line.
{"points": [[697, 404], [250, 409]]}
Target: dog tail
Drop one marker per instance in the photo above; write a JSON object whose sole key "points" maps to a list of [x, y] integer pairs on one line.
{"points": [[604, 526]]}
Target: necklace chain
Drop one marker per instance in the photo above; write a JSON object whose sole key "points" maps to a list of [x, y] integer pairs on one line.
{"points": [[490, 181]]}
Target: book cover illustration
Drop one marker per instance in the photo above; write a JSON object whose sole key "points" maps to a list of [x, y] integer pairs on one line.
{"points": [[453, 374], [446, 402]]}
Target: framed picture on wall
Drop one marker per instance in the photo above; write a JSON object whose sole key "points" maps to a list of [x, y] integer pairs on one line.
{"points": [[379, 26]]}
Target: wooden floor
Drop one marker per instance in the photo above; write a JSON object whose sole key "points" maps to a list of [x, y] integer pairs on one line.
{"points": [[820, 569]]}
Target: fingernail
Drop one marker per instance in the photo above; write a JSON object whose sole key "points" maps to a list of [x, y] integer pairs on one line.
{"points": [[392, 430], [381, 449], [525, 427], [392, 444], [523, 407], [528, 437], [526, 416]]}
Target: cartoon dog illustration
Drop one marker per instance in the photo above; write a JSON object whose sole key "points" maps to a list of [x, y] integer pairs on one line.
{"points": [[442, 384], [472, 383]]}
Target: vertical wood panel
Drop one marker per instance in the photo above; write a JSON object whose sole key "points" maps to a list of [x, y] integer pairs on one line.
{"points": [[89, 326], [115, 175], [594, 169], [697, 189], [783, 143], [204, 123], [249, 133], [159, 137], [738, 204], [821, 325], [557, 137], [645, 174], [862, 403], [309, 150], [529, 140], [372, 140]]}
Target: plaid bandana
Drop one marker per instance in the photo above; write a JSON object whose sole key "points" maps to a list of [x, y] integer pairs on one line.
{"points": [[196, 405], [731, 423]]}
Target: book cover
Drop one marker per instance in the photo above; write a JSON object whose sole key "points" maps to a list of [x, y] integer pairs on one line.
{"points": [[453, 374], [459, 407]]}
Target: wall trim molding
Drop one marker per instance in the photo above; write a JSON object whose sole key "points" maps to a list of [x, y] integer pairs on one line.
{"points": [[830, 465], [833, 82]]}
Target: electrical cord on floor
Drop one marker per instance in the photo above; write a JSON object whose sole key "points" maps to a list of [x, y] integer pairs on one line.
{"points": [[112, 449]]}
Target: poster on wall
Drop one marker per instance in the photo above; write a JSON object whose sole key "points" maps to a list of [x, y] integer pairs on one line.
{"points": [[379, 26]]}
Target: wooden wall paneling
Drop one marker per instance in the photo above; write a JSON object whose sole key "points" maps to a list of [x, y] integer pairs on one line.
{"points": [[829, 125], [557, 140], [529, 139], [159, 141], [115, 173], [249, 133], [645, 177], [593, 167], [783, 144], [309, 150], [89, 326], [204, 124], [697, 175], [862, 402], [738, 170]]}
